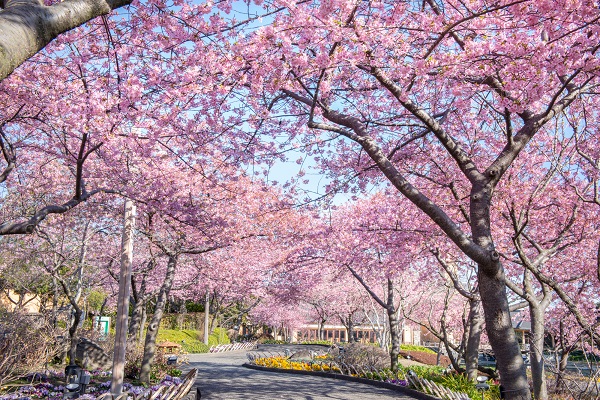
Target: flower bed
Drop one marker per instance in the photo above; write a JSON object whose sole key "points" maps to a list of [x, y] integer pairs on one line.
{"points": [[283, 362], [54, 391], [324, 366]]}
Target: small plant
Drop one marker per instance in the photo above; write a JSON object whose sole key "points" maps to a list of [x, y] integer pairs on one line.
{"points": [[323, 342], [412, 347], [218, 336], [426, 372]]}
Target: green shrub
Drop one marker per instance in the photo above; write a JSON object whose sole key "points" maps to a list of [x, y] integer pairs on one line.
{"points": [[412, 347], [191, 340], [579, 355], [194, 307], [196, 347], [272, 341], [427, 372], [453, 381], [325, 342], [188, 339], [218, 336]]}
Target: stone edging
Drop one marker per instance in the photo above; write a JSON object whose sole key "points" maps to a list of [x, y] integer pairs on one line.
{"points": [[411, 392]]}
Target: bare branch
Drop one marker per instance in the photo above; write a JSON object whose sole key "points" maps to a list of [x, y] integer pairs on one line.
{"points": [[29, 226]]}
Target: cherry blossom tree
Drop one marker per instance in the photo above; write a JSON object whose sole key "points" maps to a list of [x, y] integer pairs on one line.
{"points": [[379, 244], [439, 98]]}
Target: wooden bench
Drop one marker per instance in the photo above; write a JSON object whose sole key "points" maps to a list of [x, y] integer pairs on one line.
{"points": [[173, 392]]}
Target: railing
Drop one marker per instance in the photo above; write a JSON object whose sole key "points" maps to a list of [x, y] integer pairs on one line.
{"points": [[429, 387], [232, 347]]}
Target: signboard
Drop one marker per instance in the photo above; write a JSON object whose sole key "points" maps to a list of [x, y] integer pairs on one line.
{"points": [[102, 325]]}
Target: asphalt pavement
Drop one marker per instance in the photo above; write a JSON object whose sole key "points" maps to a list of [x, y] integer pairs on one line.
{"points": [[222, 376]]}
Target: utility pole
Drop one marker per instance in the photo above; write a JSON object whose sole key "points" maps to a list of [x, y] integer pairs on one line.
{"points": [[118, 371], [206, 310]]}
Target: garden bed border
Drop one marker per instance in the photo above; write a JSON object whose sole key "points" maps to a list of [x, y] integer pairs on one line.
{"points": [[415, 393]]}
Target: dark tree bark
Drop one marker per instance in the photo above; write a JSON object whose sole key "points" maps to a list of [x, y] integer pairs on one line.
{"points": [[474, 338], [139, 301], [159, 309], [562, 360], [349, 323], [321, 333], [161, 301], [392, 312]]}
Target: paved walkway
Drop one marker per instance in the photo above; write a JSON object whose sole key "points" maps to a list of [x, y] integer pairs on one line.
{"points": [[221, 376]]}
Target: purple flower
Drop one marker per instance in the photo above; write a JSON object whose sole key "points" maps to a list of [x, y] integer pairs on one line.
{"points": [[399, 382]]}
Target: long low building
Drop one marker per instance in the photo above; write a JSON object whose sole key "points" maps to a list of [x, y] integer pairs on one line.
{"points": [[361, 333]]}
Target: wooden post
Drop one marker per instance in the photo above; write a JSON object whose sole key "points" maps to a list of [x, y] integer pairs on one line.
{"points": [[206, 310], [118, 371]]}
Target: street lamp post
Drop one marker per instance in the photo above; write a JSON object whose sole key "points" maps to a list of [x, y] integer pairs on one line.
{"points": [[482, 385]]}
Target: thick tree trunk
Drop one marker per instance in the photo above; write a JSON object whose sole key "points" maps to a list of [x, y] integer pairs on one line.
{"points": [[73, 336], [395, 339], [136, 321], [540, 390], [143, 324], [350, 329], [392, 313], [349, 325], [321, 329], [492, 290], [501, 334], [152, 332], [474, 338]]}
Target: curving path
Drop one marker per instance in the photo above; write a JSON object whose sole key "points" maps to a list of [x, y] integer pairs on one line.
{"points": [[221, 376]]}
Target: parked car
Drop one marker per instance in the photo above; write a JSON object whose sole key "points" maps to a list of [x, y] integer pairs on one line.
{"points": [[486, 360]]}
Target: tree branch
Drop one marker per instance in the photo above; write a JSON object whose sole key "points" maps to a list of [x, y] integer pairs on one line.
{"points": [[29, 226], [466, 165], [358, 134], [367, 288]]}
